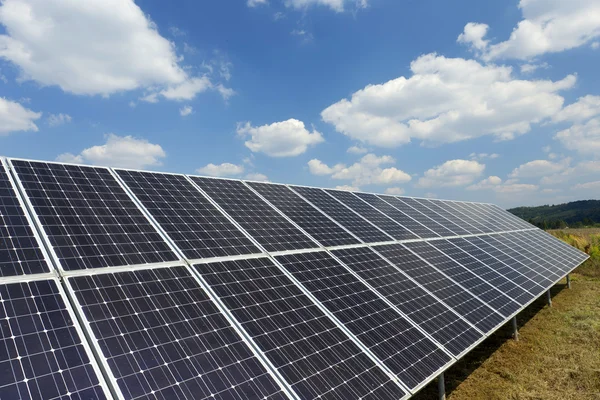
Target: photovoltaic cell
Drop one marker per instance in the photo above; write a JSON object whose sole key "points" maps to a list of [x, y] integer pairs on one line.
{"points": [[89, 219], [20, 252], [487, 224], [327, 232], [371, 214], [464, 303], [259, 219], [419, 206], [196, 226], [459, 226], [342, 215], [396, 342], [435, 318], [313, 355], [420, 217], [485, 267], [450, 209], [41, 352], [163, 338], [547, 266], [464, 277], [397, 216]]}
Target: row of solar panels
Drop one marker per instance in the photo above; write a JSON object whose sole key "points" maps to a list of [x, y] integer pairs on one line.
{"points": [[312, 299]]}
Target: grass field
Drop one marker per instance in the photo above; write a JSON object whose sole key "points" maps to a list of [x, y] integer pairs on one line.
{"points": [[558, 352]]}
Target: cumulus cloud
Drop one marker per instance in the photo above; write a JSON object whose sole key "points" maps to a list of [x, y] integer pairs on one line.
{"points": [[14, 117], [348, 188], [514, 188], [221, 170], [488, 183], [483, 156], [357, 150], [539, 168], [335, 5], [582, 138], [451, 173], [59, 119], [588, 185], [119, 151], [494, 183], [279, 139], [85, 49], [548, 26], [397, 191], [185, 111], [584, 108], [255, 176], [531, 68], [447, 100], [368, 171], [255, 3]]}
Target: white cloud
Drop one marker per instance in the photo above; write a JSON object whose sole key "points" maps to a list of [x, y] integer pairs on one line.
{"points": [[516, 188], [348, 188], [368, 171], [279, 139], [221, 170], [335, 5], [582, 169], [431, 195], [59, 119], [14, 117], [185, 111], [584, 108], [595, 45], [254, 3], [583, 138], [357, 150], [84, 49], [539, 168], [588, 185], [488, 183], [483, 156], [531, 68], [255, 176], [119, 151], [548, 26], [188, 89], [547, 149], [447, 100], [451, 173], [397, 191]]}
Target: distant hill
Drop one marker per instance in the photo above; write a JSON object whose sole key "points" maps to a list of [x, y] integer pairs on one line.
{"points": [[575, 214]]}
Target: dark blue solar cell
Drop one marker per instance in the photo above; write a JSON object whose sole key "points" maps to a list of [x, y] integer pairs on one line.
{"points": [[41, 352], [20, 252], [89, 218]]}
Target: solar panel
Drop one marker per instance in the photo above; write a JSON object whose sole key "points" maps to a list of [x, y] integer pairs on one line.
{"points": [[371, 214], [259, 219], [398, 216], [342, 215], [534, 284], [320, 227], [163, 338], [460, 227], [418, 216], [485, 267], [418, 205], [464, 303], [506, 218], [41, 352], [311, 352], [406, 351], [196, 226], [487, 224], [88, 217], [450, 208], [547, 266], [476, 285], [20, 251], [566, 257], [435, 318]]}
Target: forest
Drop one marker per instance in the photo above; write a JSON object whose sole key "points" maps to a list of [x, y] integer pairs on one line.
{"points": [[576, 214]]}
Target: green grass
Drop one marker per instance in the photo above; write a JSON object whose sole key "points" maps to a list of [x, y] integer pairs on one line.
{"points": [[558, 352]]}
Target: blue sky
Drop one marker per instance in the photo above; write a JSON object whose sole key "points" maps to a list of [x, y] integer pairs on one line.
{"points": [[488, 101]]}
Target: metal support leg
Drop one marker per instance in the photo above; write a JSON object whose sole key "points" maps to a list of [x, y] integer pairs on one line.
{"points": [[549, 297], [441, 387], [515, 329], [568, 281]]}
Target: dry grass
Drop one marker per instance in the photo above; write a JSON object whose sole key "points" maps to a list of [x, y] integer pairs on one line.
{"points": [[557, 356]]}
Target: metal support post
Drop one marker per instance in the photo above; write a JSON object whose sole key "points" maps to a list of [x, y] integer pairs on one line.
{"points": [[568, 281], [549, 297], [441, 387], [515, 328]]}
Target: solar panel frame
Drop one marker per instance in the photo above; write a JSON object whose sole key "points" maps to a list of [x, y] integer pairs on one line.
{"points": [[301, 241], [251, 243], [46, 259], [48, 241], [75, 324], [306, 300], [211, 298]]}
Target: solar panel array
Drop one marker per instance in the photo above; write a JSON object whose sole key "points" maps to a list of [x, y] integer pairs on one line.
{"points": [[185, 287]]}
